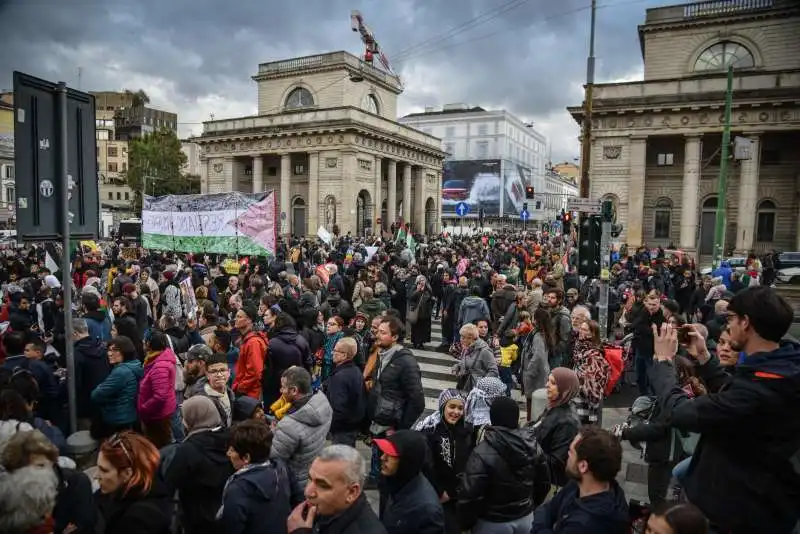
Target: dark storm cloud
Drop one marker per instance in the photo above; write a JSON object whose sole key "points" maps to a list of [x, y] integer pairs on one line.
{"points": [[527, 56]]}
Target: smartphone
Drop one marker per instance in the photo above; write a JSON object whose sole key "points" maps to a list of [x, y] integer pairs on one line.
{"points": [[684, 334]]}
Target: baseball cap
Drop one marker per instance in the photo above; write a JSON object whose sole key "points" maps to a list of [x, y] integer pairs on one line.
{"points": [[198, 352], [387, 446]]}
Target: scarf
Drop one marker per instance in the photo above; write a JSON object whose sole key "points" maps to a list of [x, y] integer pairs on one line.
{"points": [[151, 356], [480, 398], [435, 418], [327, 359]]}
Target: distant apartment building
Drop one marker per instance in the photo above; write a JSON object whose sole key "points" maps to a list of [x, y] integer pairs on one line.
{"points": [[132, 117], [558, 188], [192, 152], [112, 164], [7, 190], [492, 157]]}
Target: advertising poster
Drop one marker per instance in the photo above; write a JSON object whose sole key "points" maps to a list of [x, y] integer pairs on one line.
{"points": [[219, 223], [476, 182], [516, 178]]}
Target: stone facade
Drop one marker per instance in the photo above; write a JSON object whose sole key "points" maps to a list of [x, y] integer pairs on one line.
{"points": [[337, 159], [656, 144]]}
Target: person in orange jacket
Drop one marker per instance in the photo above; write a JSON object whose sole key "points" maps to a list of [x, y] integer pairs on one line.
{"points": [[252, 354]]}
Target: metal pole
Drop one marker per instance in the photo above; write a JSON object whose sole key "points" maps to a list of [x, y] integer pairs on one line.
{"points": [[66, 283], [722, 186], [605, 266], [586, 141]]}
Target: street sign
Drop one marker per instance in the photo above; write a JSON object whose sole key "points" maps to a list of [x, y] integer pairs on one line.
{"points": [[40, 176], [462, 208], [524, 215], [585, 205]]}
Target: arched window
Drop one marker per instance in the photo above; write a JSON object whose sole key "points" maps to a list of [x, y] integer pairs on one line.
{"points": [[710, 203], [371, 104], [299, 98], [765, 229], [662, 219], [720, 56]]}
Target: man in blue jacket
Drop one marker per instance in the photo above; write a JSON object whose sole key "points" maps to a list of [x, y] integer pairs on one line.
{"points": [[49, 391], [745, 470]]}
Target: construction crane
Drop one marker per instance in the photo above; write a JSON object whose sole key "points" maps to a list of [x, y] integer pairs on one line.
{"points": [[371, 45]]}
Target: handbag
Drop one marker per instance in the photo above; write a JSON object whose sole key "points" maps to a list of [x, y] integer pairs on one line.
{"points": [[466, 377], [413, 316]]}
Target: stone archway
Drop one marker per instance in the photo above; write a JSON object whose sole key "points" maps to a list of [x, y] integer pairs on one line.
{"points": [[298, 227], [431, 214], [363, 213]]}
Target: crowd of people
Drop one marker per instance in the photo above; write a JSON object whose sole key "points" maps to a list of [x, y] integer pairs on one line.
{"points": [[274, 395]]}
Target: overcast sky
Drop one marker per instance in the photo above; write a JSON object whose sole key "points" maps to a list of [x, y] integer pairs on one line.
{"points": [[195, 57]]}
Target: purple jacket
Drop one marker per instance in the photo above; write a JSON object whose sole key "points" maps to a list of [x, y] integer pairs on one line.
{"points": [[157, 389]]}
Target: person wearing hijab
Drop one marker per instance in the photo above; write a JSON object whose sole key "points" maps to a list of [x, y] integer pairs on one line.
{"points": [[200, 467], [479, 399], [450, 441], [558, 425], [411, 505]]}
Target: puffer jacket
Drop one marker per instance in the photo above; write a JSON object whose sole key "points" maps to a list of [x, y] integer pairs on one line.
{"points": [[535, 366], [157, 389], [116, 395], [286, 348], [478, 362], [505, 477], [559, 426], [472, 309], [396, 400], [300, 435]]}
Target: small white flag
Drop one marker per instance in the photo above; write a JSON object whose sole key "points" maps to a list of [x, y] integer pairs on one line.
{"points": [[50, 263]]}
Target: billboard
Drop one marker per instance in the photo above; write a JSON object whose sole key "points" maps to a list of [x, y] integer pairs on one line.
{"points": [[219, 223], [497, 186]]}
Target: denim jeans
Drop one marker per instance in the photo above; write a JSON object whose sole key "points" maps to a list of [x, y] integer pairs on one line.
{"points": [[643, 364], [506, 377], [681, 470], [177, 419]]}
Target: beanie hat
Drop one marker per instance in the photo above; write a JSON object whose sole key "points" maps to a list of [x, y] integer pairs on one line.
{"points": [[504, 412]]}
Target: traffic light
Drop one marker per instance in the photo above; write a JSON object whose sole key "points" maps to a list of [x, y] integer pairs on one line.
{"points": [[524, 206], [567, 222], [607, 211], [589, 247], [530, 193], [616, 230]]}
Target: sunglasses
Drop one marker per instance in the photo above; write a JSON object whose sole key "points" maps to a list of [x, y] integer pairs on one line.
{"points": [[117, 441]]}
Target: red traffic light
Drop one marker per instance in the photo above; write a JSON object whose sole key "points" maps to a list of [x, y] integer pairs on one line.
{"points": [[529, 192], [567, 216]]}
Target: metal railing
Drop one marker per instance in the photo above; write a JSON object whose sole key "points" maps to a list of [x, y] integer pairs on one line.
{"points": [[712, 8], [287, 66]]}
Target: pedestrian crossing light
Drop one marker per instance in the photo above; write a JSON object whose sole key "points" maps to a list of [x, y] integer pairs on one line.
{"points": [[530, 193]]}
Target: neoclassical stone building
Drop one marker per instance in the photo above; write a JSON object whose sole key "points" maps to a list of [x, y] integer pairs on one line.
{"points": [[326, 141], [656, 143]]}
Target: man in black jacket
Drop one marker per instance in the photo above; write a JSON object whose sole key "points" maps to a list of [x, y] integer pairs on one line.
{"points": [[744, 473], [345, 392]]}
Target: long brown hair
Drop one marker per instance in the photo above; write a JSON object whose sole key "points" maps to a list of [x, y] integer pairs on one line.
{"points": [[544, 325], [127, 450]]}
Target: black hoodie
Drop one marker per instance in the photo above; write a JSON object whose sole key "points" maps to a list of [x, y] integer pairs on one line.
{"points": [[91, 369], [198, 470], [568, 513]]}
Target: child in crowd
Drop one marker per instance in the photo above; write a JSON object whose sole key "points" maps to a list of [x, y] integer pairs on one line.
{"points": [[509, 351]]}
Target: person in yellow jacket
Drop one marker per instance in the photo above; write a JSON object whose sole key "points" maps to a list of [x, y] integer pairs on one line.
{"points": [[509, 352]]}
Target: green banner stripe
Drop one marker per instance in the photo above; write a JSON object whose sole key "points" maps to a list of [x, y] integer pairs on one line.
{"points": [[241, 245]]}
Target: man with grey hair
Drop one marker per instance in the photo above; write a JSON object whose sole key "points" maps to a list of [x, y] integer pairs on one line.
{"points": [[300, 435], [335, 500], [91, 368]]}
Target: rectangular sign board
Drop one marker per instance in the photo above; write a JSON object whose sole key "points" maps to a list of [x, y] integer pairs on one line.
{"points": [[584, 205], [39, 180]]}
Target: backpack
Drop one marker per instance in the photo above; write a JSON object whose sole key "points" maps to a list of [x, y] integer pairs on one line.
{"points": [[641, 413]]}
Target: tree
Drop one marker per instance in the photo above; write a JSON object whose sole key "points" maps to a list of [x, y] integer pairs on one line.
{"points": [[156, 161], [139, 97]]}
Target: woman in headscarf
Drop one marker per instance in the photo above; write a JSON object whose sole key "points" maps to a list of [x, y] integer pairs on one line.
{"points": [[479, 401], [558, 425], [199, 466], [450, 442], [420, 301]]}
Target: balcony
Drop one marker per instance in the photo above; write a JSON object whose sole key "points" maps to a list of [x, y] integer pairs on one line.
{"points": [[290, 122], [712, 8]]}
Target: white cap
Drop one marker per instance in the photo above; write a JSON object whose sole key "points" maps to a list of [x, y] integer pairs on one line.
{"points": [[52, 282]]}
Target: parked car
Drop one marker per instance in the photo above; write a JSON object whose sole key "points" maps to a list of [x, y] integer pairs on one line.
{"points": [[737, 264], [787, 260], [789, 276]]}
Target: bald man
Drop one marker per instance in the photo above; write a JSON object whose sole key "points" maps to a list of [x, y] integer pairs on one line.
{"points": [[345, 392]]}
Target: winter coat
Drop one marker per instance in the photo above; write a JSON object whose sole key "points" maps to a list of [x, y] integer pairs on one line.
{"points": [[535, 366], [135, 514], [568, 513], [356, 519], [471, 309], [743, 474], [91, 369], [501, 301], [562, 322], [75, 502], [99, 324], [257, 499], [117, 394], [478, 362], [300, 435], [250, 365], [347, 397], [372, 308], [414, 509], [558, 428], [198, 471], [451, 446], [286, 349], [396, 400], [504, 477], [642, 325], [49, 388], [156, 399]]}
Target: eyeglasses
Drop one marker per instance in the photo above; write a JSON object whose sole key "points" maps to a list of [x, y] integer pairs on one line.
{"points": [[116, 441], [218, 371]]}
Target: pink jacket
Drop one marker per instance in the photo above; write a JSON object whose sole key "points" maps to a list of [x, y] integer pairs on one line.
{"points": [[157, 389]]}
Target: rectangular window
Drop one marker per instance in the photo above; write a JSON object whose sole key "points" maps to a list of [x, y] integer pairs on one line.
{"points": [[119, 195], [299, 169], [102, 135], [483, 129], [110, 195], [450, 131], [127, 196], [482, 149], [113, 167], [8, 172], [666, 159], [662, 223], [124, 166], [112, 152], [10, 195], [765, 231]]}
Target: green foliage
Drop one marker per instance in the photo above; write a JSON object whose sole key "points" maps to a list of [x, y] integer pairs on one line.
{"points": [[139, 97], [156, 160]]}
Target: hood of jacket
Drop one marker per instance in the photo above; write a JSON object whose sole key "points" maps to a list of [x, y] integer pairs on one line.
{"points": [[517, 446], [287, 335], [472, 302], [606, 511], [316, 411], [213, 444], [90, 348], [784, 362], [135, 366], [96, 315], [262, 481]]}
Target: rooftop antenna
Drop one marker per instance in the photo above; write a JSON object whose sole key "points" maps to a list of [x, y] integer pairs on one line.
{"points": [[80, 72]]}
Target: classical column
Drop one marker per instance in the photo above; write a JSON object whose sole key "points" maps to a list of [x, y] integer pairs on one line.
{"points": [[228, 170], [312, 209], [407, 193], [391, 196], [419, 200], [748, 198], [258, 174], [635, 222], [286, 174], [691, 186], [377, 194]]}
